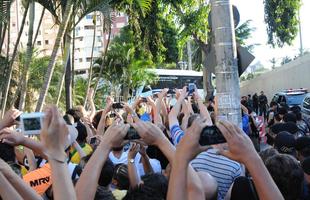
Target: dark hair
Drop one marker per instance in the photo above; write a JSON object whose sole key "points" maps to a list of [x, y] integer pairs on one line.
{"points": [[298, 116], [277, 117], [268, 153], [290, 117], [68, 119], [282, 110], [104, 193], [154, 187], [121, 176], [7, 152], [295, 109], [106, 174], [273, 103], [287, 174], [82, 132], [96, 119], [75, 113]]}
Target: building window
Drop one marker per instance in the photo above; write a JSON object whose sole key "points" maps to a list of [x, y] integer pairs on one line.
{"points": [[39, 43], [81, 39], [80, 59], [88, 59], [13, 24], [46, 41]]}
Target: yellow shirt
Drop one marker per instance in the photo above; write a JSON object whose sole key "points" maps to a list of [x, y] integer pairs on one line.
{"points": [[75, 157]]}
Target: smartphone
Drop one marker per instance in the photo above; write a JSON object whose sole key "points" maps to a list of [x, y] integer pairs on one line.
{"points": [[117, 106], [31, 123], [191, 88], [211, 135], [132, 134]]}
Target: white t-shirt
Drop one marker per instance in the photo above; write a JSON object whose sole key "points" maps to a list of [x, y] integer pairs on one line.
{"points": [[154, 163], [121, 160]]}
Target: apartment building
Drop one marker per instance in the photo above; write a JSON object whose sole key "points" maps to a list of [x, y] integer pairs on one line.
{"points": [[84, 33], [46, 35]]}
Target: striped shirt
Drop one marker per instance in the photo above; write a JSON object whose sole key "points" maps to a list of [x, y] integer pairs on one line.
{"points": [[176, 133], [224, 170]]}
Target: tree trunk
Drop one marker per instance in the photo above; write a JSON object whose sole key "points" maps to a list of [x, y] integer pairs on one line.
{"points": [[68, 86], [227, 78], [73, 58], [66, 58], [51, 65], [10, 64], [25, 74], [38, 29], [90, 72]]}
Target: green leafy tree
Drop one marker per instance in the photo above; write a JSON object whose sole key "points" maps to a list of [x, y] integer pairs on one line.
{"points": [[281, 17]]}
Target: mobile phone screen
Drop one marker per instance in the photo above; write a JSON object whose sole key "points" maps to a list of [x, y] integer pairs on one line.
{"points": [[211, 135]]}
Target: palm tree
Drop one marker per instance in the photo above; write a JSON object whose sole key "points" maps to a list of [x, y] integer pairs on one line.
{"points": [[8, 73], [60, 35], [25, 74]]}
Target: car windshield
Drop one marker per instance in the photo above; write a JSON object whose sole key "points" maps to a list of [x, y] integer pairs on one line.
{"points": [[295, 99]]}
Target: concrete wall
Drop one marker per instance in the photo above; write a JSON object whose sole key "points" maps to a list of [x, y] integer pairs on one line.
{"points": [[295, 74]]}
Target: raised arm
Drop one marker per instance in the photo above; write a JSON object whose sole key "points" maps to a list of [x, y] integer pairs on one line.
{"points": [[87, 184], [203, 109], [187, 185], [17, 183], [173, 115], [90, 100], [134, 178], [54, 135], [9, 117], [13, 138], [148, 169], [7, 191], [242, 150]]}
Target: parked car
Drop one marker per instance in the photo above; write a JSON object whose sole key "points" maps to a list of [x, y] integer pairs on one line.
{"points": [[305, 107], [292, 97]]}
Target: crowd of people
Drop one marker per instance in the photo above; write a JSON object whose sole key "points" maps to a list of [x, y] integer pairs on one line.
{"points": [[152, 150]]}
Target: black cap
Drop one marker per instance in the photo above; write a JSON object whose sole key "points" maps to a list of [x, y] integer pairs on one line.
{"points": [[306, 165], [285, 143], [302, 143]]}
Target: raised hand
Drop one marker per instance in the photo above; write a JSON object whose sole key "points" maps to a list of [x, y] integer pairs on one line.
{"points": [[163, 93], [149, 133], [11, 137], [239, 144], [9, 118], [189, 145], [54, 134], [90, 94], [134, 149], [115, 134]]}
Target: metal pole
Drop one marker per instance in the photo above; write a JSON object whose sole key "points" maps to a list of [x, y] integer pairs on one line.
{"points": [[189, 55], [227, 78]]}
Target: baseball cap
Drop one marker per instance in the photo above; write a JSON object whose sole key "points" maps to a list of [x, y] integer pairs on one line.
{"points": [[285, 143], [306, 165], [302, 143]]}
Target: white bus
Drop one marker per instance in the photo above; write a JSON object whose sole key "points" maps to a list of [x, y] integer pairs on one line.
{"points": [[173, 78]]}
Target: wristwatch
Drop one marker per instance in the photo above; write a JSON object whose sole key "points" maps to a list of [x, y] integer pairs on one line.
{"points": [[132, 161]]}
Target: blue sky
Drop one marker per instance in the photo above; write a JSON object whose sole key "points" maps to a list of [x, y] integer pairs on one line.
{"points": [[254, 10]]}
